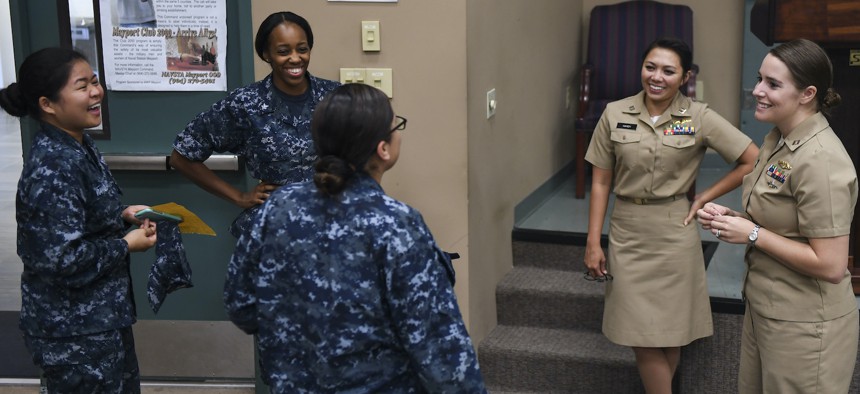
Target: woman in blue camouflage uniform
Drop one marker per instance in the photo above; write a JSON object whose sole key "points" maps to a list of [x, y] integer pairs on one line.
{"points": [[77, 306], [267, 122], [344, 286]]}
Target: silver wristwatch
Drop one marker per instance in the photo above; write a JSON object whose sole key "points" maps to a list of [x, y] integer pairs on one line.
{"points": [[754, 234]]}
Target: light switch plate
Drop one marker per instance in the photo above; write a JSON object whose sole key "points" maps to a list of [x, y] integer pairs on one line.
{"points": [[352, 75], [380, 78], [370, 36]]}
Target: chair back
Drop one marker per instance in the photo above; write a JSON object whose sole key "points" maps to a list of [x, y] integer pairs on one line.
{"points": [[617, 36]]}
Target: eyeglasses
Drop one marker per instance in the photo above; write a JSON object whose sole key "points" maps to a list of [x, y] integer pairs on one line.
{"points": [[605, 278], [401, 124]]}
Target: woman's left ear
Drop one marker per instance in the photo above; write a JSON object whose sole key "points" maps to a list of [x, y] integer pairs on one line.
{"points": [[808, 94], [382, 150], [45, 105]]}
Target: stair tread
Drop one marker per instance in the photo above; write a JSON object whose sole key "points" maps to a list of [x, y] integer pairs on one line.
{"points": [[560, 343], [550, 281]]}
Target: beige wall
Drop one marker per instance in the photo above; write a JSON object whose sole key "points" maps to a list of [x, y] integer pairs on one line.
{"points": [[529, 52], [466, 173], [717, 49]]}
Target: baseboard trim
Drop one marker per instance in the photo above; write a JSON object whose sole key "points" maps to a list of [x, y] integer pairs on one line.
{"points": [[542, 193], [729, 306]]}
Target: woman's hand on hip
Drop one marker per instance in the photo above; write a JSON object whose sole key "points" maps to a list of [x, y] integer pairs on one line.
{"points": [[258, 195]]}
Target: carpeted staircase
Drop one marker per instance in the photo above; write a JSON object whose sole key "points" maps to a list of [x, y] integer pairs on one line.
{"points": [[548, 337]]}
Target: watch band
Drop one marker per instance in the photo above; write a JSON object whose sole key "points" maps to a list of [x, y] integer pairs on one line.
{"points": [[754, 235]]}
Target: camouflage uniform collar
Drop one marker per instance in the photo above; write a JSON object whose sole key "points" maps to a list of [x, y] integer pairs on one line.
{"points": [[58, 134], [270, 94], [362, 178]]}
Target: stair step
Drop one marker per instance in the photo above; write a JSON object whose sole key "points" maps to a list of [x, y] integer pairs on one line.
{"points": [[535, 359], [565, 257], [531, 296]]}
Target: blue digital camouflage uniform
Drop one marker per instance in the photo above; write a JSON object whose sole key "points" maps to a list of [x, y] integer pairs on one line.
{"points": [[349, 294], [256, 123], [76, 285], [171, 270]]}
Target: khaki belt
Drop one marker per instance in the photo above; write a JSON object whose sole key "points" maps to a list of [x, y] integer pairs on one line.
{"points": [[651, 201]]}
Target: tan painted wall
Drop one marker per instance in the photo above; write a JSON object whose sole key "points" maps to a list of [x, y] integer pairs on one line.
{"points": [[529, 52], [466, 173]]}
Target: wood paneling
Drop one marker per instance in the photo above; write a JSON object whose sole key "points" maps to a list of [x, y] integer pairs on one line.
{"points": [[827, 22]]}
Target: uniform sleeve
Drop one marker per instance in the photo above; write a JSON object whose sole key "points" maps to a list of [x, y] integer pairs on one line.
{"points": [[240, 296], [826, 194], [219, 129], [723, 137], [600, 151], [52, 238], [426, 317]]}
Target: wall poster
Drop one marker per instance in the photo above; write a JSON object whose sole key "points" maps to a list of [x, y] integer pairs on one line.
{"points": [[164, 45]]}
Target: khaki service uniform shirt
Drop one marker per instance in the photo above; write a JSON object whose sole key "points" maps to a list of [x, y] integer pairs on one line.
{"points": [[805, 187], [660, 160]]}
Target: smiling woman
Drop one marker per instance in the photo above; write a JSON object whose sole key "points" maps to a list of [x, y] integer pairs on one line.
{"points": [[78, 18], [267, 122], [76, 302], [647, 149]]}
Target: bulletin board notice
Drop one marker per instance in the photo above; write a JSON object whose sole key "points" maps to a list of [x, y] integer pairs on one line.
{"points": [[164, 45]]}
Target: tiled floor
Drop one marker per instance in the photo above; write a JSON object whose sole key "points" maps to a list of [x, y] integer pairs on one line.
{"points": [[562, 212]]}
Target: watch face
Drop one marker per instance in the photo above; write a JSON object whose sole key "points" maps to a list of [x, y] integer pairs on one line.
{"points": [[754, 234]]}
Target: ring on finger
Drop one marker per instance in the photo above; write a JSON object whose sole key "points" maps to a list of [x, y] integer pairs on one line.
{"points": [[718, 233]]}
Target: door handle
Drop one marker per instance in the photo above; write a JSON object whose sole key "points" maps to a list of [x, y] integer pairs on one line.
{"points": [[133, 162]]}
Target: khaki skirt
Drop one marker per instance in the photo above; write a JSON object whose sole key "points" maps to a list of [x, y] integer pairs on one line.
{"points": [[659, 294]]}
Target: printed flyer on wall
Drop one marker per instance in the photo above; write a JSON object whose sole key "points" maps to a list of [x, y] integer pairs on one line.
{"points": [[164, 45]]}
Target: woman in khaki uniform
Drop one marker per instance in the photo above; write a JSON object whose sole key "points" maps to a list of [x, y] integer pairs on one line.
{"points": [[651, 145], [801, 324]]}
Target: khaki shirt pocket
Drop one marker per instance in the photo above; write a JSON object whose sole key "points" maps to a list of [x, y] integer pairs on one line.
{"points": [[626, 146], [677, 152]]}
